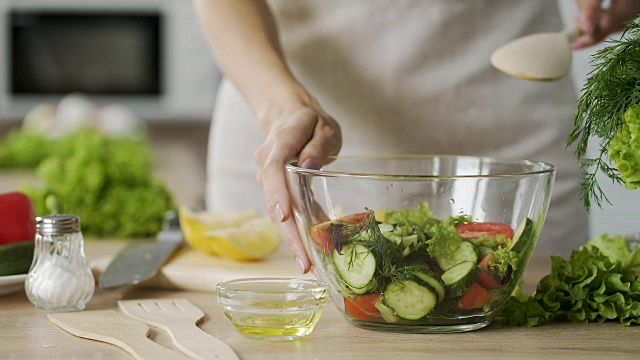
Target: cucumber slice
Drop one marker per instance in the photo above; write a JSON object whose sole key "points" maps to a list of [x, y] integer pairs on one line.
{"points": [[459, 277], [355, 266], [432, 281], [519, 230], [396, 239], [409, 300], [16, 258], [484, 251], [410, 240], [522, 236], [466, 251], [367, 289], [387, 314]]}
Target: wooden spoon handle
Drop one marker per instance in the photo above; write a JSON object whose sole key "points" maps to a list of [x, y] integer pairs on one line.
{"points": [[143, 348], [114, 328], [198, 344]]}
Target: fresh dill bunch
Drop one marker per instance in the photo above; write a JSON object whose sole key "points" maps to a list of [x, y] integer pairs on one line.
{"points": [[612, 86]]}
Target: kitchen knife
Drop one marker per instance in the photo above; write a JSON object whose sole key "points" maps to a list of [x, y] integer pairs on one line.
{"points": [[142, 260]]}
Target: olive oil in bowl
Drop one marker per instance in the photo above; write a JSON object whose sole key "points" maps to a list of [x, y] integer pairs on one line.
{"points": [[273, 308]]}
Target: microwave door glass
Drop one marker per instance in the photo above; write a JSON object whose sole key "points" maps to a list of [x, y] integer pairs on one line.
{"points": [[101, 53]]}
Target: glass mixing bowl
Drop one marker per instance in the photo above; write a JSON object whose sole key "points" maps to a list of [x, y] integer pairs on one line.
{"points": [[420, 243]]}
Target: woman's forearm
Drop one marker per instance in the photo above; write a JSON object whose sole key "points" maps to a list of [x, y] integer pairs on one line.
{"points": [[243, 37]]}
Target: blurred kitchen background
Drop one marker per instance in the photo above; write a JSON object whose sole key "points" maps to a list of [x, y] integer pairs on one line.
{"points": [[146, 55], [150, 57]]}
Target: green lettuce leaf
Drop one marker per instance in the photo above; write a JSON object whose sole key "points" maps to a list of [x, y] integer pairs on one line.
{"points": [[502, 258], [614, 247], [624, 148], [617, 249], [107, 181], [445, 240], [421, 217], [595, 284], [22, 149], [491, 241]]}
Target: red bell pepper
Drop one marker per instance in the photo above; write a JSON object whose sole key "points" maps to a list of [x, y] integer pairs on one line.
{"points": [[17, 218]]}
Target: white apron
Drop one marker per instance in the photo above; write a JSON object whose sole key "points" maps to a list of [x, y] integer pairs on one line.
{"points": [[413, 76]]}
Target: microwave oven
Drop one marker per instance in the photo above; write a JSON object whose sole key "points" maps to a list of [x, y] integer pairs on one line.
{"points": [[148, 55]]}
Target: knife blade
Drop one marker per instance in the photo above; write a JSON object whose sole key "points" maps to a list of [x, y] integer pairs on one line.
{"points": [[141, 261]]}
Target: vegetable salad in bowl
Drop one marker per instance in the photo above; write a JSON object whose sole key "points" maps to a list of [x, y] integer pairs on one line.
{"points": [[432, 244]]}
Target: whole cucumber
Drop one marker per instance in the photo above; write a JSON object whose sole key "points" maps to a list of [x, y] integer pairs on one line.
{"points": [[15, 258]]}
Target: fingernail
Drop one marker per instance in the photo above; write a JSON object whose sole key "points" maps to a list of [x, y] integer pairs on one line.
{"points": [[300, 264], [576, 45], [588, 27], [310, 164], [280, 212]]}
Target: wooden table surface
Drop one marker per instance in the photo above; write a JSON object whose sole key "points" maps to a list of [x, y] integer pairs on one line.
{"points": [[25, 333]]}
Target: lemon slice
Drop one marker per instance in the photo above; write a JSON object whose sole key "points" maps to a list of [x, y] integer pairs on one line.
{"points": [[216, 220], [243, 235], [252, 240]]}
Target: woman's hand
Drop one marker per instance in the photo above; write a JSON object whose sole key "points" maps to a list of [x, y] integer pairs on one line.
{"points": [[596, 22], [243, 37], [305, 132]]}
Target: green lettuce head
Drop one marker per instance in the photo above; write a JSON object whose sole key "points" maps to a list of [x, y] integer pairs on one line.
{"points": [[624, 148]]}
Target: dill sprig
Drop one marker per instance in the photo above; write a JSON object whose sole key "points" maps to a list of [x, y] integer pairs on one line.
{"points": [[611, 87], [389, 259]]}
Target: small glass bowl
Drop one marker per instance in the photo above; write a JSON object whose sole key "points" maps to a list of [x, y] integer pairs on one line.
{"points": [[273, 308]]}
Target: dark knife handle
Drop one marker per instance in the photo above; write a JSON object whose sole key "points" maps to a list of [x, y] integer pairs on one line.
{"points": [[171, 220], [171, 232]]}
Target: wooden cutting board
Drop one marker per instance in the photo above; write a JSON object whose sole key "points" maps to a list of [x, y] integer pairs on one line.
{"points": [[194, 270]]}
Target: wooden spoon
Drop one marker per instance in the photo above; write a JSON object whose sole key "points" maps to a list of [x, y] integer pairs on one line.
{"points": [[114, 328], [538, 57], [179, 317]]}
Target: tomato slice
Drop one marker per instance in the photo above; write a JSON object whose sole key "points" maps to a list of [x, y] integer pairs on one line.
{"points": [[362, 307], [474, 230], [486, 277], [474, 298], [321, 236]]}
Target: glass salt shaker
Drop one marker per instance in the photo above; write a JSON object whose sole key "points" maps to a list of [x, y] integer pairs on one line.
{"points": [[59, 278]]}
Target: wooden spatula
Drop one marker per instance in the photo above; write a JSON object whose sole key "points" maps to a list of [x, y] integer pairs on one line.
{"points": [[179, 317], [114, 328]]}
